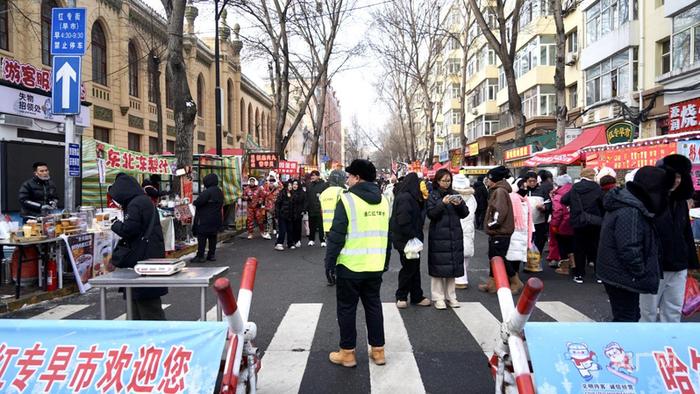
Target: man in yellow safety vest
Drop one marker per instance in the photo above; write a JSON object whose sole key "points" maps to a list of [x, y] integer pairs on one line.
{"points": [[329, 199], [358, 254]]}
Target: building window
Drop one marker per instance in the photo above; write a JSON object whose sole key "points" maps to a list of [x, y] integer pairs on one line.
{"points": [[229, 107], [455, 117], [200, 149], [100, 134], [531, 10], [453, 43], [133, 70], [685, 42], [604, 17], [487, 56], [46, 6], [200, 95], [501, 78], [572, 42], [169, 99], [4, 25], [153, 147], [153, 65], [664, 49], [540, 51], [456, 90], [134, 142], [539, 101], [170, 146], [485, 91], [99, 54], [609, 78], [452, 66], [573, 96]]}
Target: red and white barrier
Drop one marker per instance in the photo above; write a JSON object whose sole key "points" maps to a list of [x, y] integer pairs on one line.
{"points": [[236, 314]]}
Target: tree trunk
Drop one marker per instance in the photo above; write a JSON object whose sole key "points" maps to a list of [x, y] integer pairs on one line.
{"points": [[428, 108], [185, 109], [559, 76], [154, 70], [463, 97], [515, 105]]}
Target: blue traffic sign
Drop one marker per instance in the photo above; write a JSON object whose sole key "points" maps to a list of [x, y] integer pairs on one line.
{"points": [[65, 85], [73, 160], [68, 36]]}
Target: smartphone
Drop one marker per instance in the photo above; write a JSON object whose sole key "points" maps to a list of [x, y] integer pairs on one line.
{"points": [[455, 197]]}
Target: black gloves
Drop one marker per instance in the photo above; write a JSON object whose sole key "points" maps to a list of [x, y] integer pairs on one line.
{"points": [[330, 276]]}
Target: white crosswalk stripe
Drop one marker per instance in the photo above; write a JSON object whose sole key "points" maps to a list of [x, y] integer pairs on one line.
{"points": [[400, 374], [482, 325], [286, 357], [60, 312], [123, 315], [559, 311]]}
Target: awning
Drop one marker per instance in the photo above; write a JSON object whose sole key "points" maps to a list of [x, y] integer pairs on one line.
{"points": [[570, 153]]}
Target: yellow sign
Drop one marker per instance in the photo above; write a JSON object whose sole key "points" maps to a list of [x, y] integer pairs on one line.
{"points": [[473, 149], [518, 153]]}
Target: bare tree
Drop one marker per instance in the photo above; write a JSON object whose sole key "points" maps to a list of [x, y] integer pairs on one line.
{"points": [[398, 93], [185, 109], [411, 40], [505, 46], [354, 141], [559, 76]]}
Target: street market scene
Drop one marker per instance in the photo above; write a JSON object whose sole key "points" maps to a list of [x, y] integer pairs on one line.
{"points": [[350, 196]]}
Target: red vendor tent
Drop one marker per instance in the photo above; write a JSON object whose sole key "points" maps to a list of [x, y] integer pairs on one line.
{"points": [[571, 152]]}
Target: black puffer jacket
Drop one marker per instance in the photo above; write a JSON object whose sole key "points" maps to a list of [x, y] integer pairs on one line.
{"points": [[628, 255], [407, 213], [208, 219], [284, 205], [34, 193], [298, 203], [138, 211], [445, 240], [585, 196], [481, 194], [313, 203]]}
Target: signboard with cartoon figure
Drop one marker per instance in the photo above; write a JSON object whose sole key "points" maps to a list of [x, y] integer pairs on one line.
{"points": [[623, 358]]}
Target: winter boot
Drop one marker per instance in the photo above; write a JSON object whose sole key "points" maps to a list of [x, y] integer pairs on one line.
{"points": [[489, 286], [516, 285], [564, 266], [377, 355], [344, 357]]}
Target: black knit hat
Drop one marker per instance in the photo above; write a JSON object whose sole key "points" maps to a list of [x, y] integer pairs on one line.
{"points": [[656, 183], [362, 168], [498, 173]]}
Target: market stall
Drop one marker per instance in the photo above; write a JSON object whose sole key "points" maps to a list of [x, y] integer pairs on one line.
{"points": [[571, 153]]}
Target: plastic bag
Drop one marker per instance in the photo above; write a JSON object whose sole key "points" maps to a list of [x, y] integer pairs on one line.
{"points": [[533, 260], [413, 248], [691, 300]]}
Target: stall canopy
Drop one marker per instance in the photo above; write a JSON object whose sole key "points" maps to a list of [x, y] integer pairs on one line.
{"points": [[572, 152]]}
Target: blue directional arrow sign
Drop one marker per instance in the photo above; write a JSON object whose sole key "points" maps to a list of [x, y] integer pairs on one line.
{"points": [[65, 85]]}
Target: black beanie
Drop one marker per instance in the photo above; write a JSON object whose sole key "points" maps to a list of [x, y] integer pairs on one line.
{"points": [[497, 174], [656, 183], [362, 168]]}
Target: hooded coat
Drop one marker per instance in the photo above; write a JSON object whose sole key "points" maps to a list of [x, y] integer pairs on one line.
{"points": [[208, 219], [628, 255], [138, 213], [283, 207], [586, 202], [313, 191], [560, 213], [499, 220], [407, 217], [445, 238], [481, 194]]}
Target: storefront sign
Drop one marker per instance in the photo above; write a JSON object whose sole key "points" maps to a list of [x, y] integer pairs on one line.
{"points": [[691, 150], [27, 76], [456, 158], [683, 116], [619, 133], [631, 157], [444, 155], [81, 249], [263, 161], [622, 358], [73, 159], [288, 167], [32, 105], [473, 149], [518, 153], [126, 160], [111, 356]]}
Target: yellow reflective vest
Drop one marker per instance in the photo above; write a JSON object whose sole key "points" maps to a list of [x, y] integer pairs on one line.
{"points": [[368, 234], [329, 199]]}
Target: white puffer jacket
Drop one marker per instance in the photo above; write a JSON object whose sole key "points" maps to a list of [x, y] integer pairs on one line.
{"points": [[468, 222]]}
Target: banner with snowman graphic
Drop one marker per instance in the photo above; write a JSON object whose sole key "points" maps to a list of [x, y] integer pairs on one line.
{"points": [[624, 358]]}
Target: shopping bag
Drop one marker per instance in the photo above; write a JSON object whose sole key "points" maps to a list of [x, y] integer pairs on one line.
{"points": [[691, 300], [533, 260], [413, 248]]}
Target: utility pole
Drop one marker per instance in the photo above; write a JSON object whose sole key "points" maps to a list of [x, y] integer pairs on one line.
{"points": [[69, 139]]}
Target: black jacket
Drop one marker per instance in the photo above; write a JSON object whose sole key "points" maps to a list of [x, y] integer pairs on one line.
{"points": [[371, 193], [208, 219], [676, 237], [34, 193], [283, 205], [407, 213], [445, 239], [138, 211], [481, 194], [298, 204], [585, 196], [628, 255], [313, 203]]}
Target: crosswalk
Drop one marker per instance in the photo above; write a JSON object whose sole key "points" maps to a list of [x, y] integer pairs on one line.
{"points": [[288, 359]]}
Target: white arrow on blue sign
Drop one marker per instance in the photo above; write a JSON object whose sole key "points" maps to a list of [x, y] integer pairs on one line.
{"points": [[65, 85]]}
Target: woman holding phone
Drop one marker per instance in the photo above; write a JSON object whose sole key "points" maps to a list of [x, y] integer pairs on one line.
{"points": [[445, 209]]}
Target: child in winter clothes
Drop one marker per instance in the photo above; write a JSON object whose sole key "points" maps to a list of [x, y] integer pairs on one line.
{"points": [[460, 184]]}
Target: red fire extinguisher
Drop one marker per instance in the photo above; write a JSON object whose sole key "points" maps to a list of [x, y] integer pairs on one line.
{"points": [[51, 275]]}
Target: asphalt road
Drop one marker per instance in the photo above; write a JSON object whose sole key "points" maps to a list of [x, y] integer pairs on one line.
{"points": [[432, 351]]}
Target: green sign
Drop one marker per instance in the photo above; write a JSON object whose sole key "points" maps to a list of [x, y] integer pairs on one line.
{"points": [[620, 132]]}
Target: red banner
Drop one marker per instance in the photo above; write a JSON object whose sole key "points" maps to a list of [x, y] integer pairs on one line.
{"points": [[683, 116], [631, 157], [288, 167], [263, 161]]}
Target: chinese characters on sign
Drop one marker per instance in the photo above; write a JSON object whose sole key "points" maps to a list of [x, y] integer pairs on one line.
{"points": [[518, 153], [619, 133], [456, 158], [472, 149], [683, 116], [263, 161], [632, 157], [288, 167], [691, 150], [28, 76], [73, 159], [68, 31], [127, 160]]}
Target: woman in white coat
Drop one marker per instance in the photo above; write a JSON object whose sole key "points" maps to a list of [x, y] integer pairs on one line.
{"points": [[460, 184]]}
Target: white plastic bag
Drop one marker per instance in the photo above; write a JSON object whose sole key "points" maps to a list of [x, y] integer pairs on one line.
{"points": [[413, 248]]}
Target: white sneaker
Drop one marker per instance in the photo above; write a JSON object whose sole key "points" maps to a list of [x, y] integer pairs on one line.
{"points": [[311, 243], [250, 236], [292, 247], [440, 304], [323, 244], [274, 232], [266, 236], [279, 247], [298, 244]]}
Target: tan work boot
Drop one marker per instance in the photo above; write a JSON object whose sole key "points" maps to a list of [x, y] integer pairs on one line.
{"points": [[488, 287], [344, 357], [516, 285], [563, 267], [377, 355]]}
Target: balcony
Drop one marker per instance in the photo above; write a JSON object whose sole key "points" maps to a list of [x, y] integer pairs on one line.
{"points": [[624, 36]]}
